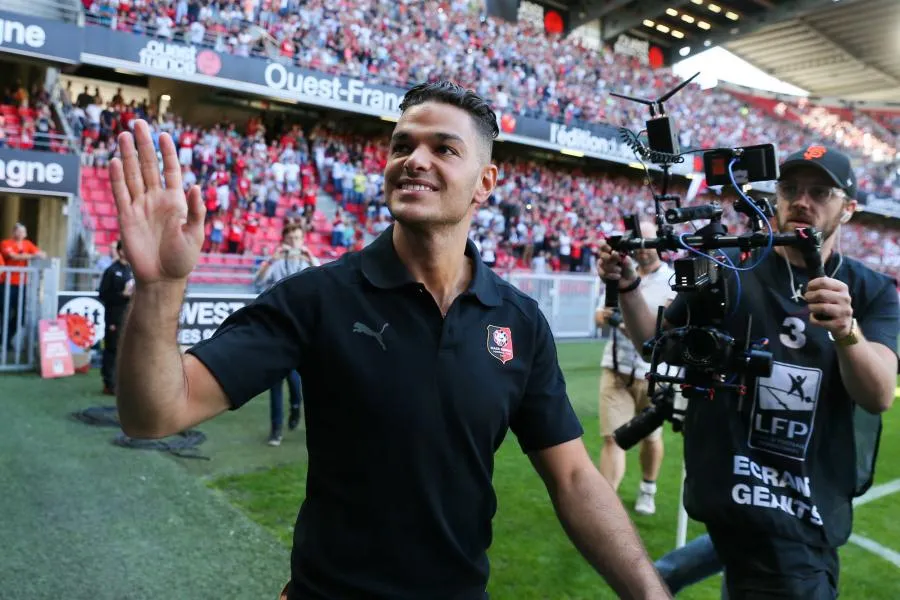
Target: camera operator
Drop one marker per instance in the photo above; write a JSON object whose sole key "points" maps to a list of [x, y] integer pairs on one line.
{"points": [[291, 257], [772, 474], [623, 385]]}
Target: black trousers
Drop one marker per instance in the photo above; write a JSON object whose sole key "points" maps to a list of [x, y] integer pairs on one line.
{"points": [[110, 346], [12, 315], [761, 567]]}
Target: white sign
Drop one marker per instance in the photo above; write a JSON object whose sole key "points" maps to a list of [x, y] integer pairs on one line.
{"points": [[629, 46]]}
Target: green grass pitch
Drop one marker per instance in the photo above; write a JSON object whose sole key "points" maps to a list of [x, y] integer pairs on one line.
{"points": [[84, 519]]}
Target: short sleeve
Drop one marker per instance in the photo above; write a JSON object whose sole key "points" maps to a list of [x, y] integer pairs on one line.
{"points": [[881, 320], [258, 345], [545, 417]]}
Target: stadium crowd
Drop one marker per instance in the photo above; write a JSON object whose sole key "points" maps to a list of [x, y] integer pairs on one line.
{"points": [[524, 70], [26, 120], [541, 217]]}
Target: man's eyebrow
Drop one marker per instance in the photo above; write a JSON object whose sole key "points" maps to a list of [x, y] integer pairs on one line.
{"points": [[402, 136]]}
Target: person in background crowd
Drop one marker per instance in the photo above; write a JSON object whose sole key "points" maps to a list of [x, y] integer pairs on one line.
{"points": [[116, 289], [291, 257], [17, 251]]}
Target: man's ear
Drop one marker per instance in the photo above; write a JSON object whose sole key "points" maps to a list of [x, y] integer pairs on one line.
{"points": [[486, 183], [849, 208]]}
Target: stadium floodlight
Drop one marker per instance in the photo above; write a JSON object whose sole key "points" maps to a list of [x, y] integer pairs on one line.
{"points": [[714, 7], [677, 34], [731, 15], [671, 12], [703, 25], [649, 23], [687, 18]]}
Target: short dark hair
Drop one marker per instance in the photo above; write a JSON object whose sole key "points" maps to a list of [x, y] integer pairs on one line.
{"points": [[450, 93], [291, 228]]}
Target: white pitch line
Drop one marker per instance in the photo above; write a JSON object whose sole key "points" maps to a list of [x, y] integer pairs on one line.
{"points": [[879, 491], [875, 548]]}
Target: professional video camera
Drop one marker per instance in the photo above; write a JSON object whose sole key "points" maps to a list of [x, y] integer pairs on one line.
{"points": [[712, 359]]}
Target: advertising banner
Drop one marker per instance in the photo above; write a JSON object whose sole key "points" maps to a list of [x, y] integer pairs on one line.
{"points": [[882, 206], [201, 315], [117, 49], [56, 359], [40, 38], [35, 172]]}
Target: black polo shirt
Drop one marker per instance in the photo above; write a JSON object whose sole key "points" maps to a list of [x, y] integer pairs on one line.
{"points": [[404, 410]]}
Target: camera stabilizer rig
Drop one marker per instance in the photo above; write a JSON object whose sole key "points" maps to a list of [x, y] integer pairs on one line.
{"points": [[711, 357]]}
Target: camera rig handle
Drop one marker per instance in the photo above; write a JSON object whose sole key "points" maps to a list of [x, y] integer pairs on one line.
{"points": [[612, 285], [809, 242]]}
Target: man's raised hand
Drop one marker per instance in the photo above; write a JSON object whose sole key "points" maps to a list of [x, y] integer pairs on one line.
{"points": [[161, 228]]}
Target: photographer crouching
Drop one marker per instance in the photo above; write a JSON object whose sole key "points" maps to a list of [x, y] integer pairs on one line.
{"points": [[772, 474]]}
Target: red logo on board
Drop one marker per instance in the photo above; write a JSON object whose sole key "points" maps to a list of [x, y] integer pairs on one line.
{"points": [[500, 343]]}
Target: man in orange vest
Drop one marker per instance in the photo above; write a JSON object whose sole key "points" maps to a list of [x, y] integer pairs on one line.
{"points": [[16, 252]]}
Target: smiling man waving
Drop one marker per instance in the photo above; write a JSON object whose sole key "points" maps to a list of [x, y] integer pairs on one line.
{"points": [[416, 361]]}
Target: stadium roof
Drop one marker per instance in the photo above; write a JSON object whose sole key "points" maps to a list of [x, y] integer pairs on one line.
{"points": [[848, 49]]}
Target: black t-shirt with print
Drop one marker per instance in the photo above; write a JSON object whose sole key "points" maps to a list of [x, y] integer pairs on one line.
{"points": [[784, 460]]}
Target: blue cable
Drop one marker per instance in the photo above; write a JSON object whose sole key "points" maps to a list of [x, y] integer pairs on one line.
{"points": [[771, 236]]}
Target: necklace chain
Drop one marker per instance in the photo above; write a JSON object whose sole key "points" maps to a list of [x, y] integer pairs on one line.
{"points": [[796, 296]]}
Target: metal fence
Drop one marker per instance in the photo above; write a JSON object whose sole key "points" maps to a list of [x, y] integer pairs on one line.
{"points": [[27, 295], [566, 300]]}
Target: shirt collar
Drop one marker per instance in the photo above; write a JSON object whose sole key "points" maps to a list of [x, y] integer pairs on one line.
{"points": [[382, 267]]}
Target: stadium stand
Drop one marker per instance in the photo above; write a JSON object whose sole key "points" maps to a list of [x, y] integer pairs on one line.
{"points": [[26, 120], [542, 217], [546, 77]]}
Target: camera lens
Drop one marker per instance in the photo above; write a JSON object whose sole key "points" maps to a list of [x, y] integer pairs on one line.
{"points": [[701, 347]]}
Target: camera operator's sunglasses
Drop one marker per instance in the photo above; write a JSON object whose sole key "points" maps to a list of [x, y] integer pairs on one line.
{"points": [[820, 194]]}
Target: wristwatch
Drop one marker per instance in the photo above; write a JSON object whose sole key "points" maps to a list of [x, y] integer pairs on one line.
{"points": [[851, 338]]}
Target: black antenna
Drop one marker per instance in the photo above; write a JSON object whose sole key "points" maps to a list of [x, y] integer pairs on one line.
{"points": [[658, 104]]}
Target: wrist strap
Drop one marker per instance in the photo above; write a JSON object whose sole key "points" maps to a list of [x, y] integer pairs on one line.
{"points": [[634, 285]]}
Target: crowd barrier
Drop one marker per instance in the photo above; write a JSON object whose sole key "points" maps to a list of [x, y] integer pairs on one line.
{"points": [[566, 300], [27, 295]]}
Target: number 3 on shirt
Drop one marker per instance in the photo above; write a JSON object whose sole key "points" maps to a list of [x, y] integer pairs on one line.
{"points": [[793, 337]]}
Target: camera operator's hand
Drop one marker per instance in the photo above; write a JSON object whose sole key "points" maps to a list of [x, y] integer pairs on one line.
{"points": [[615, 266], [605, 314], [831, 297]]}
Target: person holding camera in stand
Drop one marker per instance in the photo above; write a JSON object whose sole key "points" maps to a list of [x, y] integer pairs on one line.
{"points": [[291, 257], [623, 385], [772, 473]]}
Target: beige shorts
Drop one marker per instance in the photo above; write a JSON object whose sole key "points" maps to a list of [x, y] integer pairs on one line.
{"points": [[620, 402]]}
